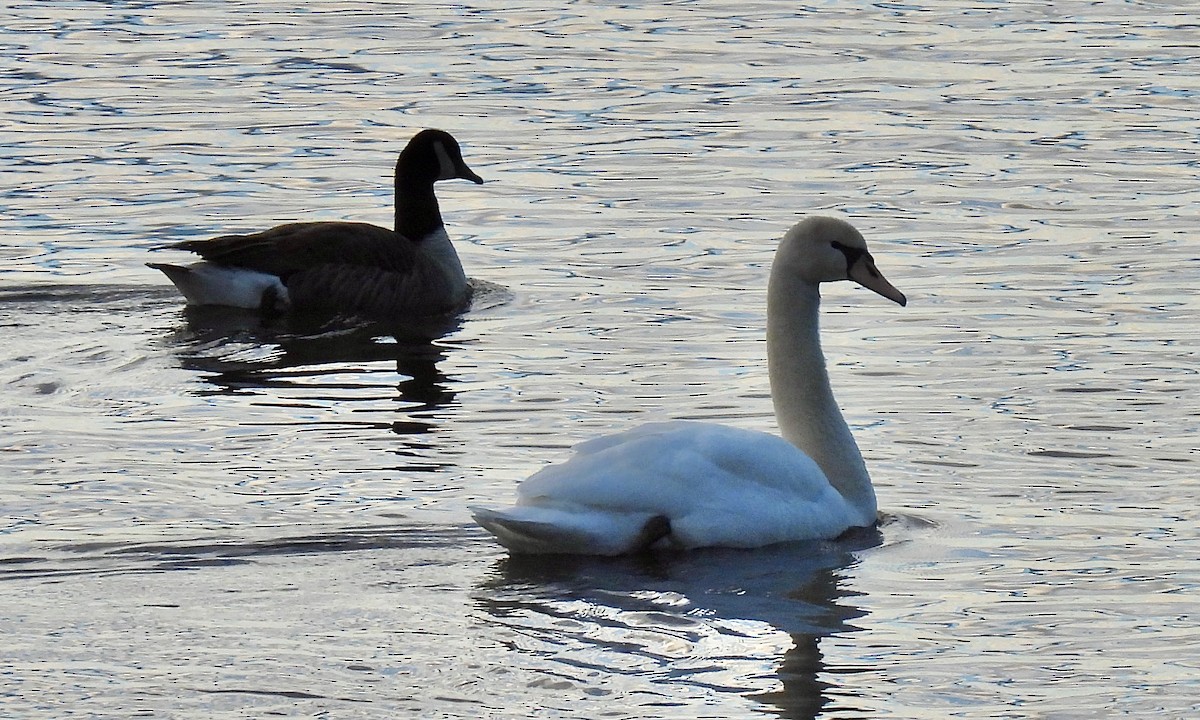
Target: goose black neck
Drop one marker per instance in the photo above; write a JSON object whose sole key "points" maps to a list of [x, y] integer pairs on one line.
{"points": [[417, 212]]}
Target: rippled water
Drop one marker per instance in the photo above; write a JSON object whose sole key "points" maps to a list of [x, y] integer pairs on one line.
{"points": [[207, 515]]}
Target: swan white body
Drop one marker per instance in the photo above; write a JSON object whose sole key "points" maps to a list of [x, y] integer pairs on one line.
{"points": [[688, 484]]}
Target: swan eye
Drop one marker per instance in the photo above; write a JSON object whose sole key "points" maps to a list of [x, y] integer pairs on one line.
{"points": [[852, 254]]}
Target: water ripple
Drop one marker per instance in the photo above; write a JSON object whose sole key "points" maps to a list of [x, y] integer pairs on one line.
{"points": [[1024, 171]]}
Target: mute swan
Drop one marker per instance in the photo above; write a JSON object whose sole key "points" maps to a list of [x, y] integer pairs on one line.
{"points": [[694, 484], [345, 266]]}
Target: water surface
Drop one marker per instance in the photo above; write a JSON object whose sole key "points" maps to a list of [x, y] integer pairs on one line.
{"points": [[212, 515]]}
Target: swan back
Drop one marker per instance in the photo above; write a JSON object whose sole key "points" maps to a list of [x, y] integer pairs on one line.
{"points": [[713, 484]]}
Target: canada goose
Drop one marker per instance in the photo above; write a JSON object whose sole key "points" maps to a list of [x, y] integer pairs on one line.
{"points": [[344, 266]]}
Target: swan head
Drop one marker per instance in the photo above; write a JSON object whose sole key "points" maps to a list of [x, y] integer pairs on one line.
{"points": [[825, 249], [434, 155]]}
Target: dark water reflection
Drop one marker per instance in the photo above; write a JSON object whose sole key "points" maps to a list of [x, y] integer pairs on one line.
{"points": [[798, 589], [54, 562], [236, 351]]}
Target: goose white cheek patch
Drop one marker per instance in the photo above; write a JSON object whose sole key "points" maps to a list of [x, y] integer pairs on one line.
{"points": [[446, 168]]}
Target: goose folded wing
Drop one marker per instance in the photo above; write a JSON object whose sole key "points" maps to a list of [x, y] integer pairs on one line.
{"points": [[411, 291], [302, 247]]}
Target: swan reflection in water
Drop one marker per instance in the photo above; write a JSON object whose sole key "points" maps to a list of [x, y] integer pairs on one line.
{"points": [[580, 610], [239, 351]]}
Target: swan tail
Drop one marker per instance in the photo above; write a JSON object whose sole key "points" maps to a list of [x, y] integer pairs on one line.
{"points": [[543, 531], [528, 536]]}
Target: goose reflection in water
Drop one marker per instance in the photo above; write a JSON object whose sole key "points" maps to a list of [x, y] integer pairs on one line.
{"points": [[614, 604], [237, 352]]}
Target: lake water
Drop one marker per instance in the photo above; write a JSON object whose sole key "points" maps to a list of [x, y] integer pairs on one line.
{"points": [[207, 515]]}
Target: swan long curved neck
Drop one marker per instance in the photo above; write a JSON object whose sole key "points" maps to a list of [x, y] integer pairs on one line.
{"points": [[807, 413]]}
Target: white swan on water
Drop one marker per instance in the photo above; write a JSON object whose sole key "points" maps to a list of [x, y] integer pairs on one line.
{"points": [[694, 484]]}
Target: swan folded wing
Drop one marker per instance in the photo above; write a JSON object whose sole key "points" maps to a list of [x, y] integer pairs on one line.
{"points": [[673, 461], [296, 247], [765, 519], [716, 485], [641, 432]]}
